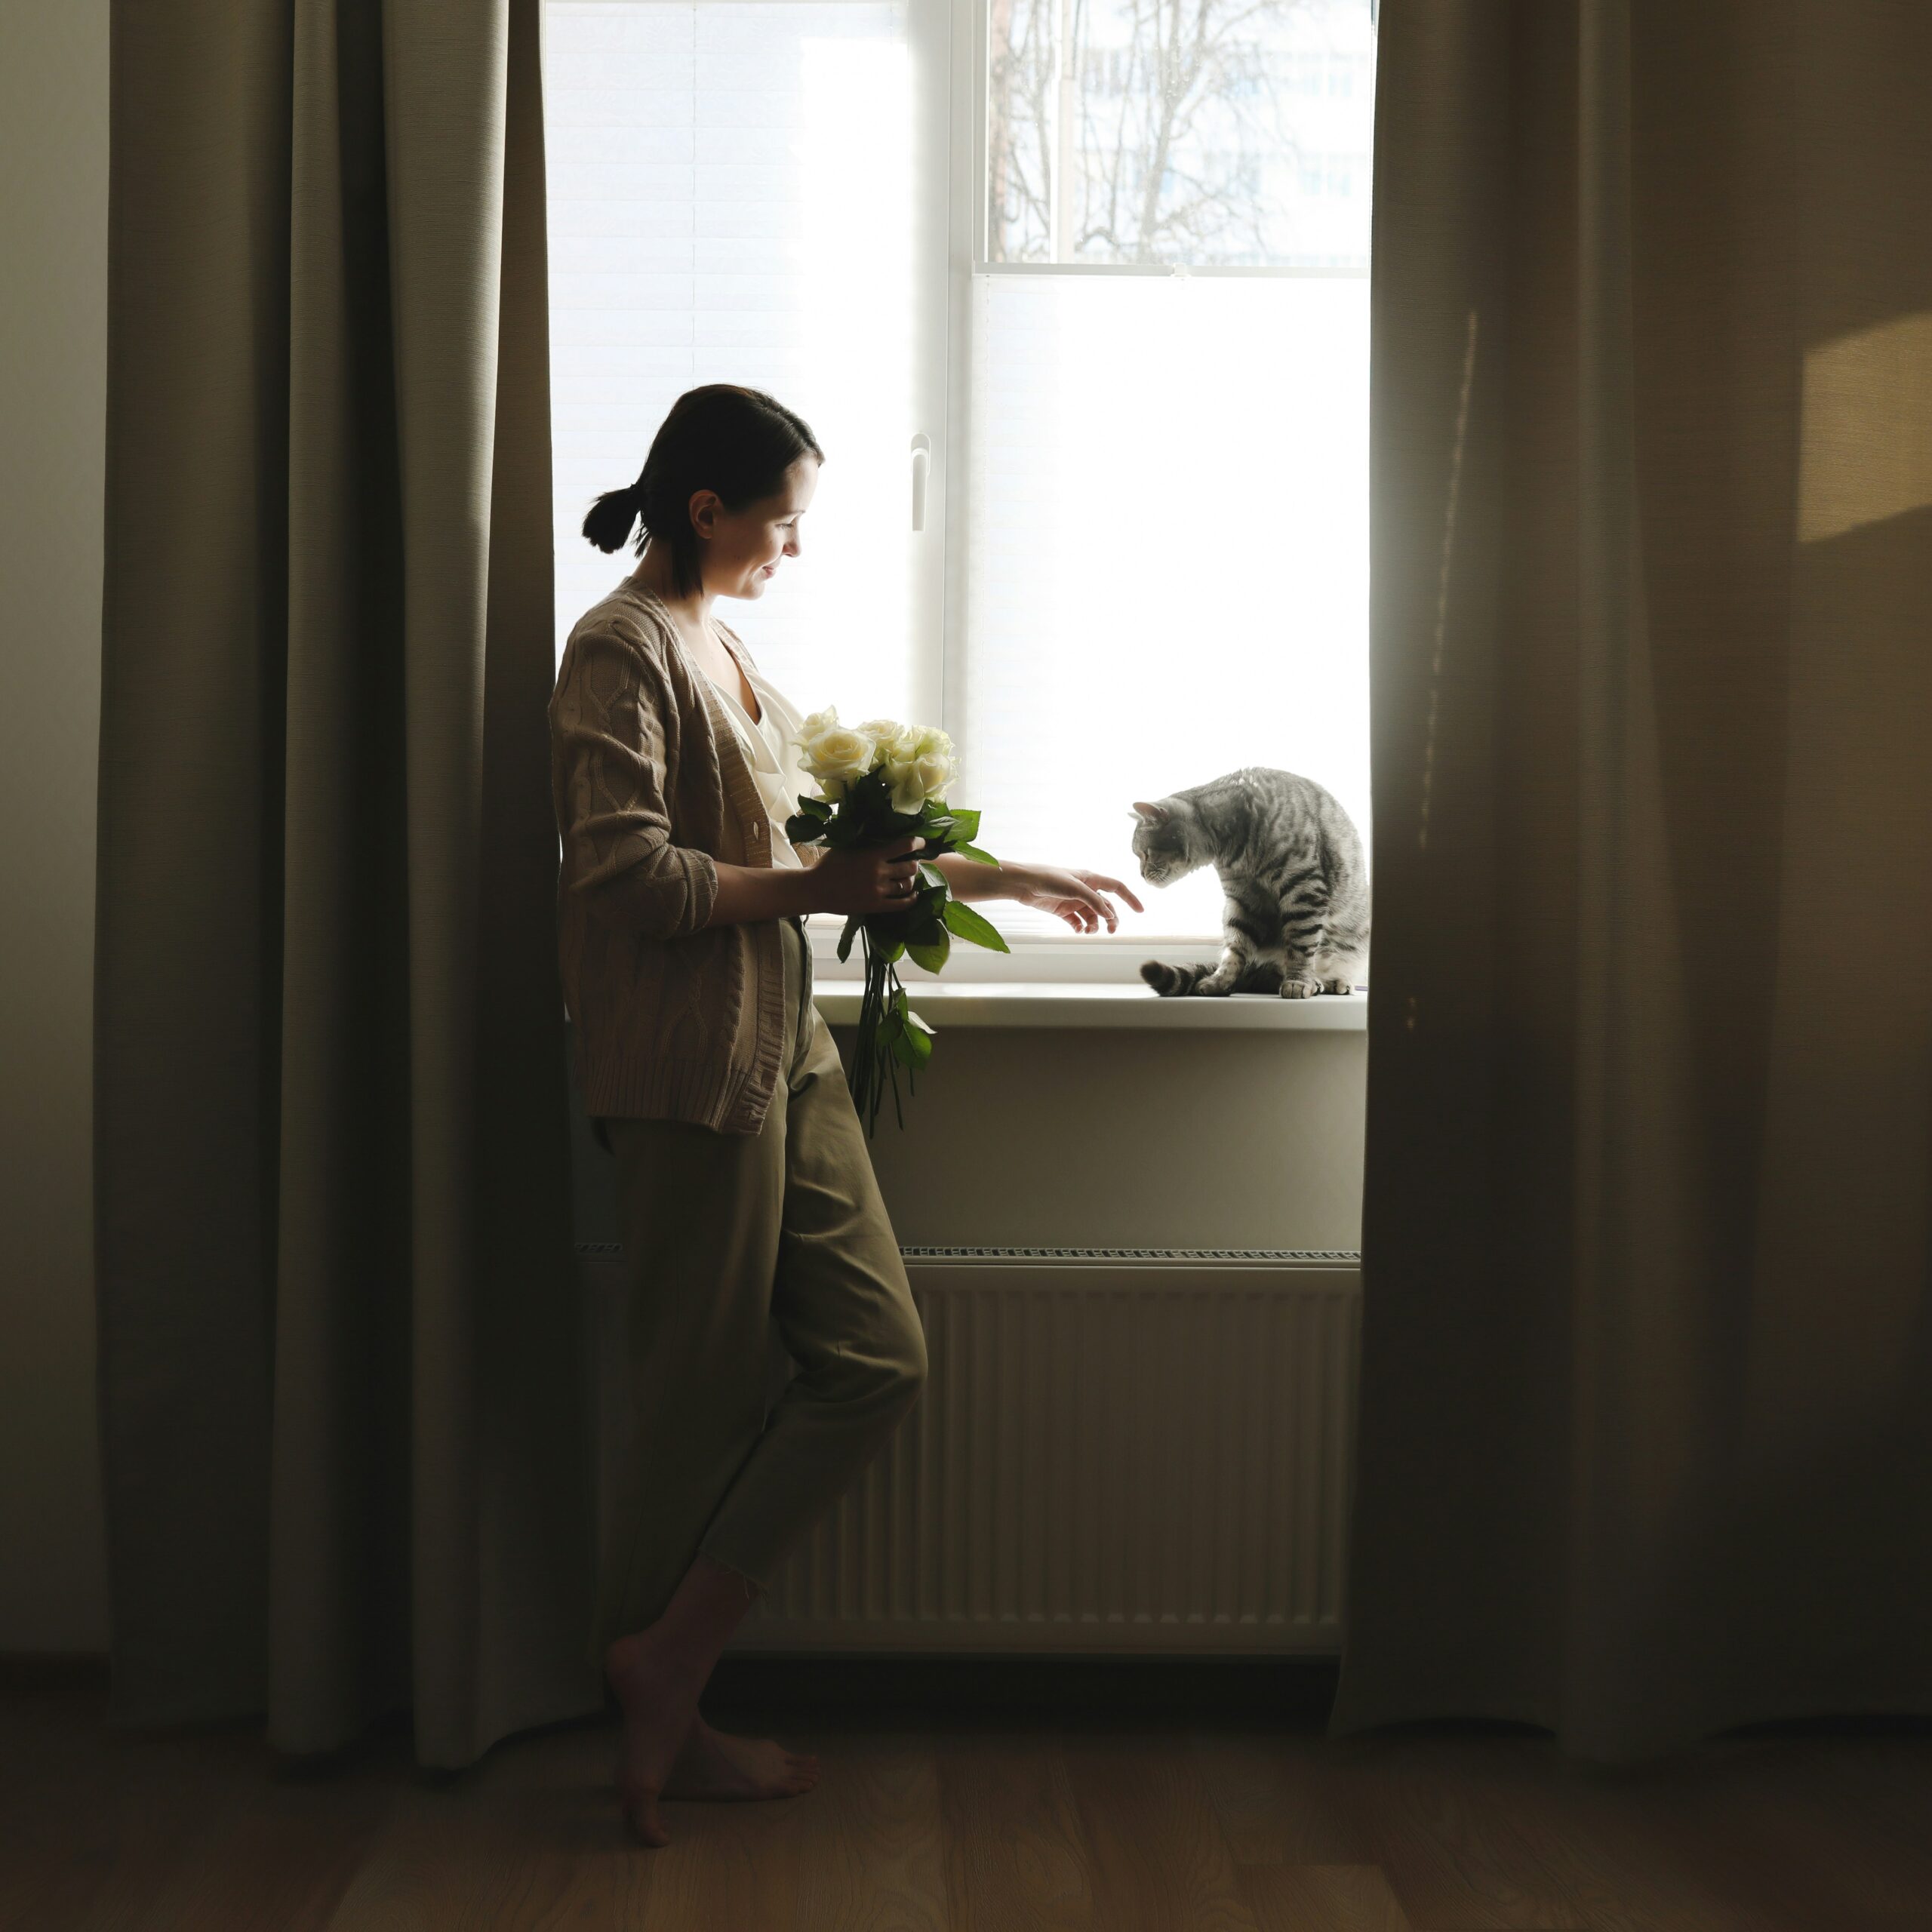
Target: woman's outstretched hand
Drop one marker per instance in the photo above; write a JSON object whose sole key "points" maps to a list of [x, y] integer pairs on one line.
{"points": [[1078, 897], [862, 880]]}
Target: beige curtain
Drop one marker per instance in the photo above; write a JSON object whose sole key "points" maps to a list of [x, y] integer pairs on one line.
{"points": [[1646, 1445], [340, 1366]]}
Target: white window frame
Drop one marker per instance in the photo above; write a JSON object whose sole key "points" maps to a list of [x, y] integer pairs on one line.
{"points": [[949, 43], [962, 33]]}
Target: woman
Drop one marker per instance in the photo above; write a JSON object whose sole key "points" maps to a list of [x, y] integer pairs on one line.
{"points": [[746, 1194]]}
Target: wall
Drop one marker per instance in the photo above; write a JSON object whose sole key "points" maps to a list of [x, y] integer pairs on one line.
{"points": [[1131, 1139], [53, 391], [1023, 1138]]}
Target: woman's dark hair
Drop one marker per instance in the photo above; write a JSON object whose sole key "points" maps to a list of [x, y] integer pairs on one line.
{"points": [[738, 442]]}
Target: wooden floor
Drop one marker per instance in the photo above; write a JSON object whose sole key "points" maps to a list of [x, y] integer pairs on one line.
{"points": [[987, 1819]]}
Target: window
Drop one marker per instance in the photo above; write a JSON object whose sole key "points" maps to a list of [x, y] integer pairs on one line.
{"points": [[734, 197], [1081, 296]]}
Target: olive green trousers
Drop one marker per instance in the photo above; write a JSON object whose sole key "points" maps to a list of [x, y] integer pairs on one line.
{"points": [[723, 1235]]}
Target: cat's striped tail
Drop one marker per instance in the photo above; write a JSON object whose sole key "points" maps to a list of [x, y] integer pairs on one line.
{"points": [[1169, 982]]}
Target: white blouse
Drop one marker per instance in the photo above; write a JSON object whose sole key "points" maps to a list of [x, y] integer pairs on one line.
{"points": [[767, 744]]}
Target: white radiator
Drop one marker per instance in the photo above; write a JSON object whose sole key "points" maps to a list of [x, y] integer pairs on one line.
{"points": [[1118, 1450]]}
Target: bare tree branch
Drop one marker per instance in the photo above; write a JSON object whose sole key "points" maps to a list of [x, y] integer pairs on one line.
{"points": [[1178, 107]]}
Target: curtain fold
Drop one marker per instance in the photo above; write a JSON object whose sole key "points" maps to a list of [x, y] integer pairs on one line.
{"points": [[1646, 1424], [342, 1366]]}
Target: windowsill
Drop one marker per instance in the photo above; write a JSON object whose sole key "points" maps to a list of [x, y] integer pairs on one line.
{"points": [[1075, 1003]]}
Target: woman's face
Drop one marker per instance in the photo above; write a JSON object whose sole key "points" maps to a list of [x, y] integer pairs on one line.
{"points": [[742, 549]]}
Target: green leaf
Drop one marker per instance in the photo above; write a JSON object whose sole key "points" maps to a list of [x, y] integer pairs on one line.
{"points": [[912, 1044], [930, 953], [846, 938], [973, 853], [967, 924], [933, 876], [966, 823]]}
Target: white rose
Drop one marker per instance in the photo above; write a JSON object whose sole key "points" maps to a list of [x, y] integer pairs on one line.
{"points": [[882, 731], [897, 757], [810, 732], [919, 765], [935, 772], [839, 753]]}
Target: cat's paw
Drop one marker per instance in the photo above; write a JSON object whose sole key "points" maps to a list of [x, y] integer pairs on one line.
{"points": [[1300, 989], [1169, 982], [1337, 986]]}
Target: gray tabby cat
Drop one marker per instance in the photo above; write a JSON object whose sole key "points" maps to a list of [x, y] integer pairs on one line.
{"points": [[1290, 862]]}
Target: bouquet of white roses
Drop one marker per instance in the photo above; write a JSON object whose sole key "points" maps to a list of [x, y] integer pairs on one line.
{"points": [[879, 781]]}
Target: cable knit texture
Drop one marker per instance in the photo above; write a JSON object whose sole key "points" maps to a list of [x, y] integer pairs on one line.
{"points": [[670, 1019]]}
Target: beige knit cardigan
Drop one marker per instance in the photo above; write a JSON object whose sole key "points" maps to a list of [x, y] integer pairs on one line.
{"points": [[671, 1019]]}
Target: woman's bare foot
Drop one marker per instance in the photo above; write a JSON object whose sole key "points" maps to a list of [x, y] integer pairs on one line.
{"points": [[713, 1765], [657, 1689]]}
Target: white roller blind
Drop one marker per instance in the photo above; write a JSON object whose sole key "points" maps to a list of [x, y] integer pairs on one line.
{"points": [[730, 200]]}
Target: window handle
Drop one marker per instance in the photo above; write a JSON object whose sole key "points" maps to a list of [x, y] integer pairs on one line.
{"points": [[922, 453]]}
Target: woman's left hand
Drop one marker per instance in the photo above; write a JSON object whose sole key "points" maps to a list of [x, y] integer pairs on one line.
{"points": [[1078, 897]]}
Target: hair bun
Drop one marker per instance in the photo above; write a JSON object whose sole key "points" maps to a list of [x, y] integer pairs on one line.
{"points": [[610, 519]]}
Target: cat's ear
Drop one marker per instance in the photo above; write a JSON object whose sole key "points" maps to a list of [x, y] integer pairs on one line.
{"points": [[1148, 814]]}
